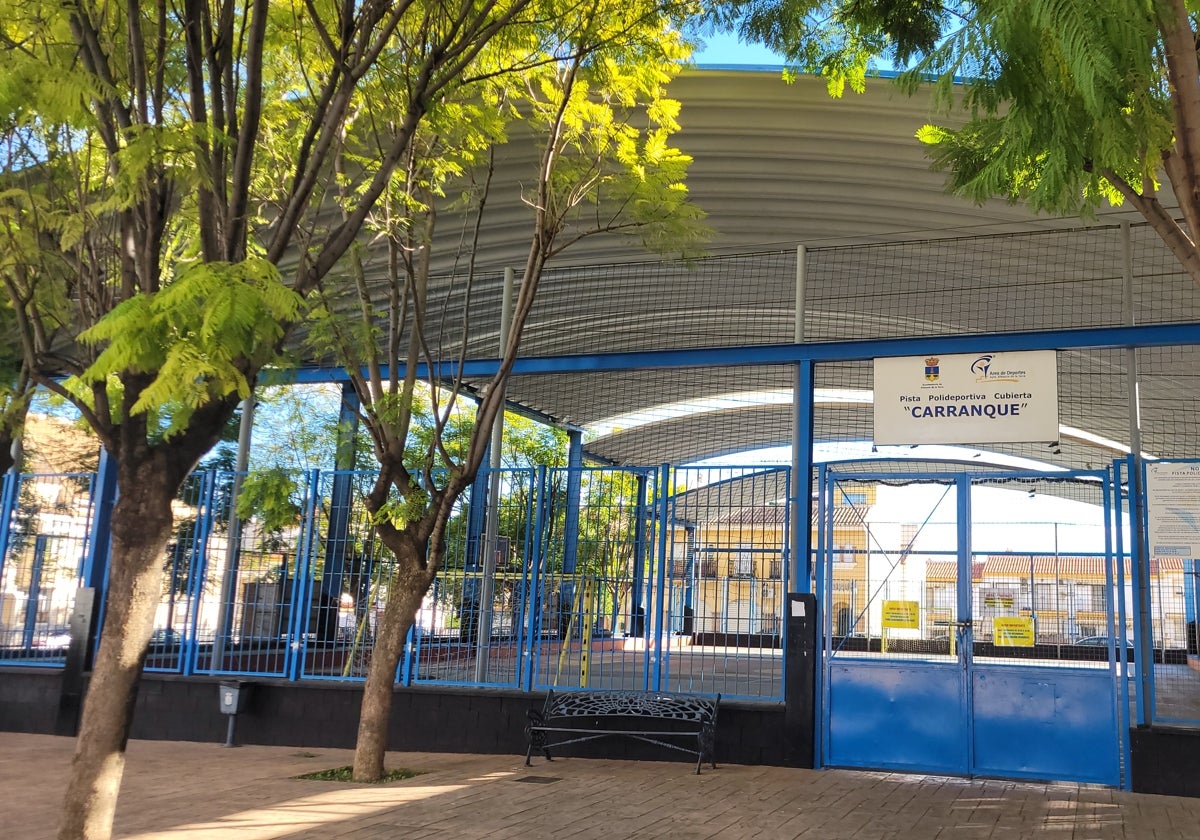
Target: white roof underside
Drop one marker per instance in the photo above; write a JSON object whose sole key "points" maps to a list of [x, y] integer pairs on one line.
{"points": [[890, 255]]}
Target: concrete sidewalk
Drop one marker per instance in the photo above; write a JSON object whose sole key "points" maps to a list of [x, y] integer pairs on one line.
{"points": [[190, 790]]}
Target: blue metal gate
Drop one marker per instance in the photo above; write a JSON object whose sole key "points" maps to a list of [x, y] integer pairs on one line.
{"points": [[969, 625]]}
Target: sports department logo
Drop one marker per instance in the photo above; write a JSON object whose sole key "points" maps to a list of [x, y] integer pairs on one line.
{"points": [[932, 371], [985, 371]]}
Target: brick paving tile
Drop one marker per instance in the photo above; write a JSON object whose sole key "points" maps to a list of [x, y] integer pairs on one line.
{"points": [[182, 791]]}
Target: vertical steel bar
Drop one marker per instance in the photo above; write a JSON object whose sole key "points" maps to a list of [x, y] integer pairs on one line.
{"points": [[800, 484], [533, 577], [337, 530], [483, 639], [658, 639], [825, 625], [104, 495], [966, 616], [29, 629], [408, 659], [1143, 624], [1112, 520], [10, 483], [205, 516], [302, 581], [233, 537], [572, 511]]}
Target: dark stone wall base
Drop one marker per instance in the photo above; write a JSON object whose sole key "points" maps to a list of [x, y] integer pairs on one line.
{"points": [[1165, 760], [424, 719]]}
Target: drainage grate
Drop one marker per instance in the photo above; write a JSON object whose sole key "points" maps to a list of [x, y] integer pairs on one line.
{"points": [[537, 780]]}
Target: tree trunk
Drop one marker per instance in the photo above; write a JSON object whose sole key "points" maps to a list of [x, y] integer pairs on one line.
{"points": [[141, 528], [406, 592], [6, 453]]}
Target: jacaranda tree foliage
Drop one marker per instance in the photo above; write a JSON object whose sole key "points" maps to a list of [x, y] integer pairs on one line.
{"points": [[183, 163], [595, 107]]}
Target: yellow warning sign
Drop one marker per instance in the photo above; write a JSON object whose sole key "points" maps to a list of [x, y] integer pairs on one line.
{"points": [[904, 615], [1012, 631], [997, 599]]}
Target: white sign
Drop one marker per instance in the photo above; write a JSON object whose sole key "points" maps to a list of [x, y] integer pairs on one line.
{"points": [[1173, 509], [967, 398]]}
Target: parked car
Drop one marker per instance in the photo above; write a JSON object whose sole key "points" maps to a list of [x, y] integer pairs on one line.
{"points": [[56, 637], [1099, 641], [165, 637], [1102, 642]]}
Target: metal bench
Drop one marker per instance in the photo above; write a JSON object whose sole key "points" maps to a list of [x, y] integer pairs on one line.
{"points": [[673, 721]]}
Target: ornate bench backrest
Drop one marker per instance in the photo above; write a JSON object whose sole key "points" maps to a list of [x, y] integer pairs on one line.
{"points": [[650, 704]]}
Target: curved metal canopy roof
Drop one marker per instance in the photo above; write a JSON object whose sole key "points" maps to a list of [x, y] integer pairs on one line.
{"points": [[780, 165]]}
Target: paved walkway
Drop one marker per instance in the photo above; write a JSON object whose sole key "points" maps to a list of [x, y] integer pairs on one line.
{"points": [[189, 790]]}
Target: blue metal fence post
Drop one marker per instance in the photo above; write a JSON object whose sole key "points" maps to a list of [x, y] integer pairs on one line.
{"points": [[9, 484], [637, 589], [1139, 571], [688, 625], [471, 597], [566, 598], [412, 652], [302, 580], [965, 631], [661, 639], [637, 612], [519, 600], [198, 573], [1115, 578], [337, 533], [533, 577], [94, 572], [823, 641], [29, 627], [800, 571]]}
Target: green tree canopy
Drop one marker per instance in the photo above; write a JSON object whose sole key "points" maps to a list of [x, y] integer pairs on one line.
{"points": [[183, 159], [594, 105]]}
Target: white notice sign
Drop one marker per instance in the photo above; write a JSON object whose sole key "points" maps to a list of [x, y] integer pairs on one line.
{"points": [[1173, 509], [967, 398]]}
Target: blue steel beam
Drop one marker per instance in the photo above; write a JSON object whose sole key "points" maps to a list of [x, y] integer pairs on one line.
{"points": [[1153, 335]]}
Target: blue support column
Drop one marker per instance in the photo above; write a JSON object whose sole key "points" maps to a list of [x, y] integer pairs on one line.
{"points": [[637, 611], [94, 570], [688, 626], [661, 637], [29, 629], [301, 591], [566, 597], [822, 644], [470, 601], [10, 483], [477, 517], [574, 485], [799, 567], [1139, 566], [205, 521], [533, 577], [965, 631], [337, 533]]}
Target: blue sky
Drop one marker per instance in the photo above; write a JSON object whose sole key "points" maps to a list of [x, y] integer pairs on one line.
{"points": [[726, 49]]}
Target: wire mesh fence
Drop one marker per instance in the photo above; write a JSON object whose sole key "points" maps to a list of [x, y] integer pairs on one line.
{"points": [[674, 576], [45, 531]]}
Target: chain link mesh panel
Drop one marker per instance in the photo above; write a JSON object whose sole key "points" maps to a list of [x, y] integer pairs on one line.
{"points": [[48, 533]]}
